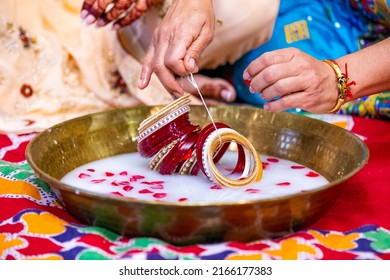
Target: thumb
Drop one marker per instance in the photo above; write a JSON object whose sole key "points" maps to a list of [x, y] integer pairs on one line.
{"points": [[193, 54]]}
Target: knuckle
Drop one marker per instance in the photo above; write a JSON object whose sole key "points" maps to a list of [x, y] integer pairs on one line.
{"points": [[208, 37], [281, 87], [158, 68], [170, 62], [304, 66], [268, 58], [285, 102], [294, 51], [269, 76]]}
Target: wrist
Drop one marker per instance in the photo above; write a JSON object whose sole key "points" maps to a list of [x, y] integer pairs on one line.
{"points": [[343, 84]]}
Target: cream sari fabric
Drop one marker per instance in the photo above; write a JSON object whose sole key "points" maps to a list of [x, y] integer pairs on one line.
{"points": [[71, 68], [241, 26]]}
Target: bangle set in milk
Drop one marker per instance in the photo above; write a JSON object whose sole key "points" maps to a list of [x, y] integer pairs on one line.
{"points": [[175, 145]]}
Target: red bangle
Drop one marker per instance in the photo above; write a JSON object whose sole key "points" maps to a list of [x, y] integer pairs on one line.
{"points": [[179, 153], [151, 144], [205, 132], [177, 146]]}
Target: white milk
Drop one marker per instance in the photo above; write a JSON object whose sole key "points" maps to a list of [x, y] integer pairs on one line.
{"points": [[128, 175]]}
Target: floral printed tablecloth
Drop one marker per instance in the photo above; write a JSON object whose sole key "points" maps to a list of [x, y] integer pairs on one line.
{"points": [[34, 225]]}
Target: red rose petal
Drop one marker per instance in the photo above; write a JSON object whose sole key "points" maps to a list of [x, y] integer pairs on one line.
{"points": [[272, 160], [109, 174], [153, 182], [159, 195], [91, 170], [98, 181], [145, 191], [127, 188], [117, 193], [284, 184], [312, 174], [83, 175], [114, 183], [124, 183], [297, 167], [123, 173], [182, 199], [252, 190], [136, 177], [215, 187]]}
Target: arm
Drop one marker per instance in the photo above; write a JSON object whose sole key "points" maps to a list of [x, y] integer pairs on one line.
{"points": [[370, 68], [304, 82]]}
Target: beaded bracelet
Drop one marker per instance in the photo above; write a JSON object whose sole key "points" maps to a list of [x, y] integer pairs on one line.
{"points": [[343, 85]]}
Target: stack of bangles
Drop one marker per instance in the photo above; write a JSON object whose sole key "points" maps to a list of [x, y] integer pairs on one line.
{"points": [[175, 145]]}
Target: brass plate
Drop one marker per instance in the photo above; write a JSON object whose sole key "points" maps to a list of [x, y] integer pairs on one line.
{"points": [[329, 150]]}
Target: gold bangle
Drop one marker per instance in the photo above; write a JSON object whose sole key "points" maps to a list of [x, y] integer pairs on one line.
{"points": [[251, 173], [342, 85]]}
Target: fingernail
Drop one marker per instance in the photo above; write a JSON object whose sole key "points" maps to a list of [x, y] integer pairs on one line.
{"points": [[227, 95], [83, 14], [246, 76], [90, 19], [251, 90], [175, 95], [266, 107], [141, 81], [100, 23], [192, 63], [262, 95], [116, 26]]}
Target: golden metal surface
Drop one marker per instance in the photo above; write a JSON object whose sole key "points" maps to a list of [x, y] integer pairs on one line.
{"points": [[332, 151]]}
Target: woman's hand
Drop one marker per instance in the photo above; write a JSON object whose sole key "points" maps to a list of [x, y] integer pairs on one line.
{"points": [[103, 12], [178, 42], [297, 79]]}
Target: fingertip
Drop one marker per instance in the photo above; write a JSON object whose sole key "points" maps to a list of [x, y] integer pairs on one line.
{"points": [[116, 26], [144, 77], [89, 19], [176, 95], [174, 89], [143, 82], [100, 23], [246, 77], [227, 95], [192, 63], [83, 14]]}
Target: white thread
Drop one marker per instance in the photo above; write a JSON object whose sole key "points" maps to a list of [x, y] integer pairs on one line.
{"points": [[193, 82]]}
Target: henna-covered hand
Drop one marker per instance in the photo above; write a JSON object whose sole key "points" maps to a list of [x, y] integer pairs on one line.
{"points": [[118, 12]]}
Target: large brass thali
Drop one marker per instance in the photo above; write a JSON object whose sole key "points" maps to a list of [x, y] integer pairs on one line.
{"points": [[330, 150]]}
